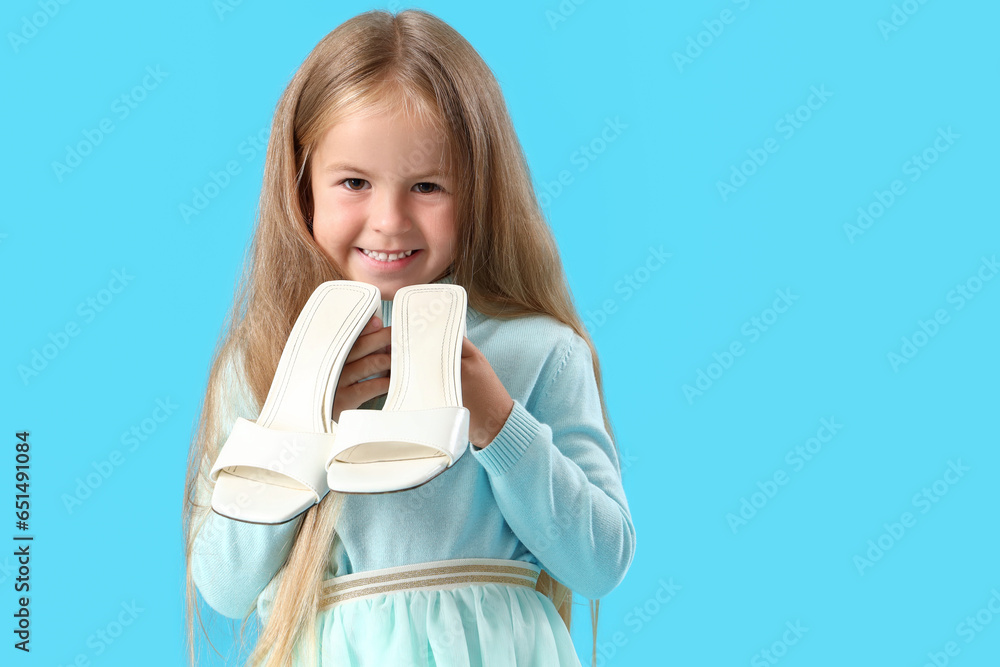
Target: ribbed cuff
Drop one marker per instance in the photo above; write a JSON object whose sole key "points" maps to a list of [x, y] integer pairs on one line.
{"points": [[518, 432]]}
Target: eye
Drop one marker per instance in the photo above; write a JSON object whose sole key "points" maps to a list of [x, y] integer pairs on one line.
{"points": [[354, 184], [427, 188]]}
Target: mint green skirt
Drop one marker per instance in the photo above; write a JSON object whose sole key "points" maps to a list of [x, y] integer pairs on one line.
{"points": [[455, 613]]}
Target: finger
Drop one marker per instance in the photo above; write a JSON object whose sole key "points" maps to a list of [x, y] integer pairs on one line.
{"points": [[468, 349], [369, 389], [372, 342], [376, 364], [350, 398], [373, 324]]}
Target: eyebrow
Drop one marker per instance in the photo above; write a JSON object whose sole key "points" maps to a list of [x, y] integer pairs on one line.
{"points": [[343, 166]]}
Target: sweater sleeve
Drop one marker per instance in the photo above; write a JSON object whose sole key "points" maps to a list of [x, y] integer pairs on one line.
{"points": [[233, 561], [555, 475]]}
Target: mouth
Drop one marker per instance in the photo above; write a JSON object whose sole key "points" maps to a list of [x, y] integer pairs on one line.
{"points": [[387, 257]]}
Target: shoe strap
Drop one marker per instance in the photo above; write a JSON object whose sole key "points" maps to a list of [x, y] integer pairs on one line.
{"points": [[299, 456], [389, 435]]}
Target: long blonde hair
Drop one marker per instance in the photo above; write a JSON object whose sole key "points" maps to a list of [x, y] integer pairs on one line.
{"points": [[507, 260]]}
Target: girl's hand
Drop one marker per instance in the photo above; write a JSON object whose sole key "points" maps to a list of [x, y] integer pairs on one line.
{"points": [[368, 357], [484, 395]]}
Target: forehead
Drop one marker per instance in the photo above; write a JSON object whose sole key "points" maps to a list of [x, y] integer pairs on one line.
{"points": [[384, 141]]}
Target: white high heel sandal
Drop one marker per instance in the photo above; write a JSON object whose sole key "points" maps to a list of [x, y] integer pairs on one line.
{"points": [[422, 429], [272, 470]]}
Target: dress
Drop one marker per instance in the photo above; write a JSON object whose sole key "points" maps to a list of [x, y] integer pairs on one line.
{"points": [[546, 491]]}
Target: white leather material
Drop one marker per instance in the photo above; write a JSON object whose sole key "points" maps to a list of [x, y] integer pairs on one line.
{"points": [[252, 501], [422, 428], [298, 458], [427, 328], [385, 476], [301, 395], [270, 471], [367, 436]]}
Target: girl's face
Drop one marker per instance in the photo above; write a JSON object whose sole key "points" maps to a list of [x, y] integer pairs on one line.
{"points": [[384, 201]]}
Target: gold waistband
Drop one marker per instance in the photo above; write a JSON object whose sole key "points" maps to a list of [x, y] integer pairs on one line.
{"points": [[433, 575]]}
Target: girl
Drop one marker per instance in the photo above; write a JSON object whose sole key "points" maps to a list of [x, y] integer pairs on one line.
{"points": [[393, 161]]}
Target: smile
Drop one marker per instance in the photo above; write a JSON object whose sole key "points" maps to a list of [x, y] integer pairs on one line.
{"points": [[386, 257]]}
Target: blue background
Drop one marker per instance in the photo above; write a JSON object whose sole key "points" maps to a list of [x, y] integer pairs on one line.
{"points": [[673, 129]]}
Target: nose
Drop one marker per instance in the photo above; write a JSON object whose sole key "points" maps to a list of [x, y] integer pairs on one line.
{"points": [[389, 214]]}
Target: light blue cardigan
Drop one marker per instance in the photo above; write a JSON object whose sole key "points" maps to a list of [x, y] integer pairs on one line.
{"points": [[546, 490]]}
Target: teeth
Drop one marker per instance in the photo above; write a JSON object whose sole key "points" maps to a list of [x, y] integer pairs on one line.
{"points": [[382, 257]]}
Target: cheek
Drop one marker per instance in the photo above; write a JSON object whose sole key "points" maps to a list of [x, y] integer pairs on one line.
{"points": [[335, 223], [443, 227], [329, 234], [449, 231]]}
